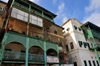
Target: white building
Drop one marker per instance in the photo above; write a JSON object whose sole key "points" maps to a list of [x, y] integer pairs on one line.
{"points": [[77, 46]]}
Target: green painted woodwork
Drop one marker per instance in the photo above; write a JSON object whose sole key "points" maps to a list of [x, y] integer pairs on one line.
{"points": [[27, 45], [15, 37], [90, 63], [80, 43], [3, 45], [13, 62], [75, 27], [45, 54], [35, 11], [33, 41], [94, 63], [52, 46], [88, 32], [85, 44], [36, 42], [89, 46], [97, 55], [85, 63]]}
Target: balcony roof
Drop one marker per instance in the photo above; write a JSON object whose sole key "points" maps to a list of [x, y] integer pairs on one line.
{"points": [[91, 25]]}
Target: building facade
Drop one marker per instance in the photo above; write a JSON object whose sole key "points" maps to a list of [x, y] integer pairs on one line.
{"points": [[29, 36], [80, 44]]}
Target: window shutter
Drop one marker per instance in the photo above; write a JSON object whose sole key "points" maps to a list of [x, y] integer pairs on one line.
{"points": [[85, 44], [85, 63], [75, 27], [80, 43]]}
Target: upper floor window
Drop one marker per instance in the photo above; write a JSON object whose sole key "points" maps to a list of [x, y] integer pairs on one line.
{"points": [[85, 44], [90, 63], [79, 29], [48, 29], [71, 45], [85, 63], [63, 32], [80, 43], [67, 48], [75, 27], [21, 15], [68, 29], [55, 30], [94, 63]]}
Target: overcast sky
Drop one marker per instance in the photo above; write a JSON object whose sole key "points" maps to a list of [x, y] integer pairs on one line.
{"points": [[82, 10]]}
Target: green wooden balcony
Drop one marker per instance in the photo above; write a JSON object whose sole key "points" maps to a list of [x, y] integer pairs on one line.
{"points": [[32, 11], [18, 56], [11, 36]]}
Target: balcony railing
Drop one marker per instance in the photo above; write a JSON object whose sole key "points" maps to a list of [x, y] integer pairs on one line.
{"points": [[36, 57], [9, 55]]}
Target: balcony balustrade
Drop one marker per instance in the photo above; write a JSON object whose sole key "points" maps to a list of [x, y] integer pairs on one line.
{"points": [[10, 55]]}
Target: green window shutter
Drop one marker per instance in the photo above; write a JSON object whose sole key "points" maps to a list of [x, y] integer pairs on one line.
{"points": [[80, 43], [75, 27], [71, 45], [90, 63], [85, 63], [67, 48], [88, 46], [91, 44], [85, 44], [79, 29], [97, 63], [94, 63]]}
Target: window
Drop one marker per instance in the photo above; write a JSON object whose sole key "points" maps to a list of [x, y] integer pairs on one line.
{"points": [[21, 15], [90, 63], [47, 29], [94, 63], [97, 63], [79, 29], [91, 44], [75, 27], [80, 43], [85, 63], [85, 44], [64, 32], [60, 44], [67, 48], [68, 29], [71, 45], [88, 46], [55, 30]]}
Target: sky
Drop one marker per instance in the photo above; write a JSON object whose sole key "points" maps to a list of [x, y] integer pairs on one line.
{"points": [[82, 10]]}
